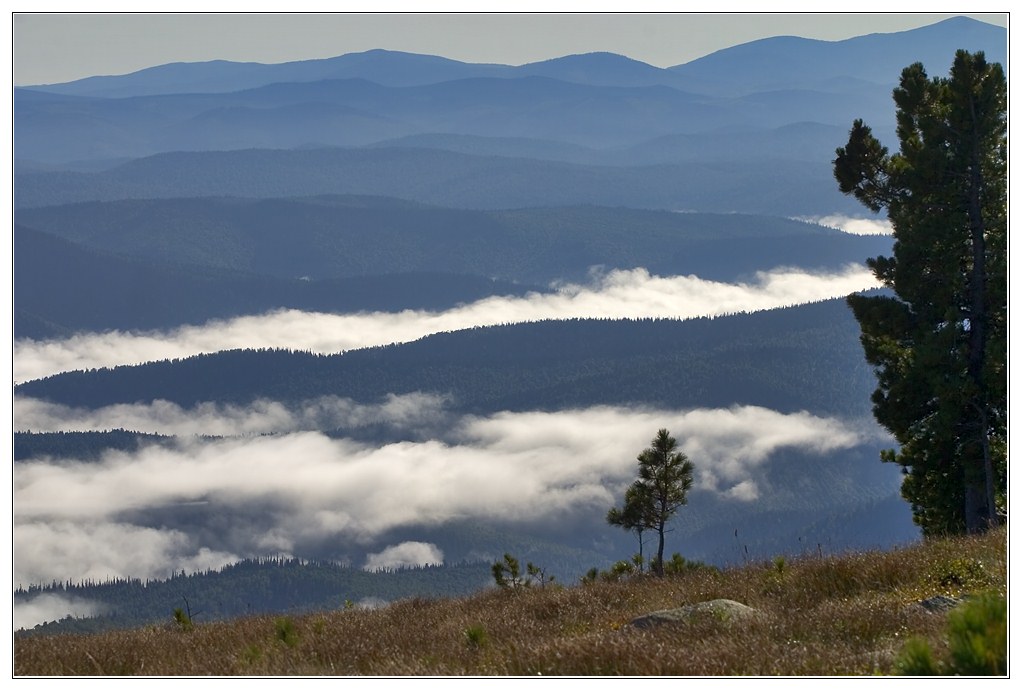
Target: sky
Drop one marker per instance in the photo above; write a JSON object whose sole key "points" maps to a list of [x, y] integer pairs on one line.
{"points": [[57, 47]]}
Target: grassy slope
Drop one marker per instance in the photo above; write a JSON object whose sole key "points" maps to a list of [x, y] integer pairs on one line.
{"points": [[847, 615]]}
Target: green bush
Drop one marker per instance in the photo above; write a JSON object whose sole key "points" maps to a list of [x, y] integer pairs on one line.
{"points": [[252, 654], [978, 636], [620, 569], [476, 636], [680, 565], [916, 658], [183, 620], [977, 641], [507, 576], [285, 630]]}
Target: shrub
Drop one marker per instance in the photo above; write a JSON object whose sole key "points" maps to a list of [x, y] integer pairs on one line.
{"points": [[252, 654], [622, 568], [284, 628], [183, 620], [507, 576], [916, 658], [680, 565], [977, 636], [538, 574], [476, 636], [977, 642]]}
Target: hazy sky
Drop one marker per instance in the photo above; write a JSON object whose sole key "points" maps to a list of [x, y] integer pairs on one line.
{"points": [[54, 47]]}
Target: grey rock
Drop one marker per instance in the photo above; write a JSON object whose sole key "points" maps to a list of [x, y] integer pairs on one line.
{"points": [[940, 604], [720, 609]]}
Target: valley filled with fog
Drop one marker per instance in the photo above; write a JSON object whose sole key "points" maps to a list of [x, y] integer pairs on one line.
{"points": [[318, 311]]}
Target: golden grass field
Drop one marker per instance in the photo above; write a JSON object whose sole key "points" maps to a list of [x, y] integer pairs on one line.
{"points": [[846, 615]]}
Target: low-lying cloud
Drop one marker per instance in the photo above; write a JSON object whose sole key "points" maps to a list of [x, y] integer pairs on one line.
{"points": [[51, 607], [205, 503], [854, 226], [407, 554], [616, 294], [408, 412]]}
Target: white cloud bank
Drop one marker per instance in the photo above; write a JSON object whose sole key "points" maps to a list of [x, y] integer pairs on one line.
{"points": [[407, 554], [411, 412], [617, 294], [204, 504], [47, 607], [852, 225]]}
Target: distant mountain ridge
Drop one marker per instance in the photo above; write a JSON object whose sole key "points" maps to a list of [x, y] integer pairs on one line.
{"points": [[385, 67], [790, 62], [595, 99], [397, 68]]}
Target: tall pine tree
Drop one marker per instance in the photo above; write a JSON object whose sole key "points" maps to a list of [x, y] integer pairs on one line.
{"points": [[938, 338]]}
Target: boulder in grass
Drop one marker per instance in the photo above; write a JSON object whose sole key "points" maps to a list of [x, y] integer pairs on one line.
{"points": [[720, 609]]}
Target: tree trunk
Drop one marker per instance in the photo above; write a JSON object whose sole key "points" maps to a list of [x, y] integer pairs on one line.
{"points": [[980, 500], [659, 564]]}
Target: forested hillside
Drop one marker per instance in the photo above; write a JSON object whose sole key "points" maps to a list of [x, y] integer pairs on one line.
{"points": [[80, 445], [62, 288], [158, 264], [250, 587], [804, 357], [449, 179], [334, 237]]}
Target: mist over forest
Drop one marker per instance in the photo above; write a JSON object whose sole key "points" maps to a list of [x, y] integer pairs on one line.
{"points": [[398, 312]]}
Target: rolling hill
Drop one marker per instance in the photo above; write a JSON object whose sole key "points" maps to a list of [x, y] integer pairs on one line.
{"points": [[344, 236], [62, 288], [390, 182], [450, 179]]}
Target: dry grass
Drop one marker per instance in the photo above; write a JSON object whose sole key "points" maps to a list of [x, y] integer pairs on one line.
{"points": [[816, 616]]}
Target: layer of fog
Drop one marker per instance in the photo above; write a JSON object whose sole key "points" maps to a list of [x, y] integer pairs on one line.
{"points": [[204, 503], [616, 294], [48, 607], [411, 413], [849, 224], [405, 554]]}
